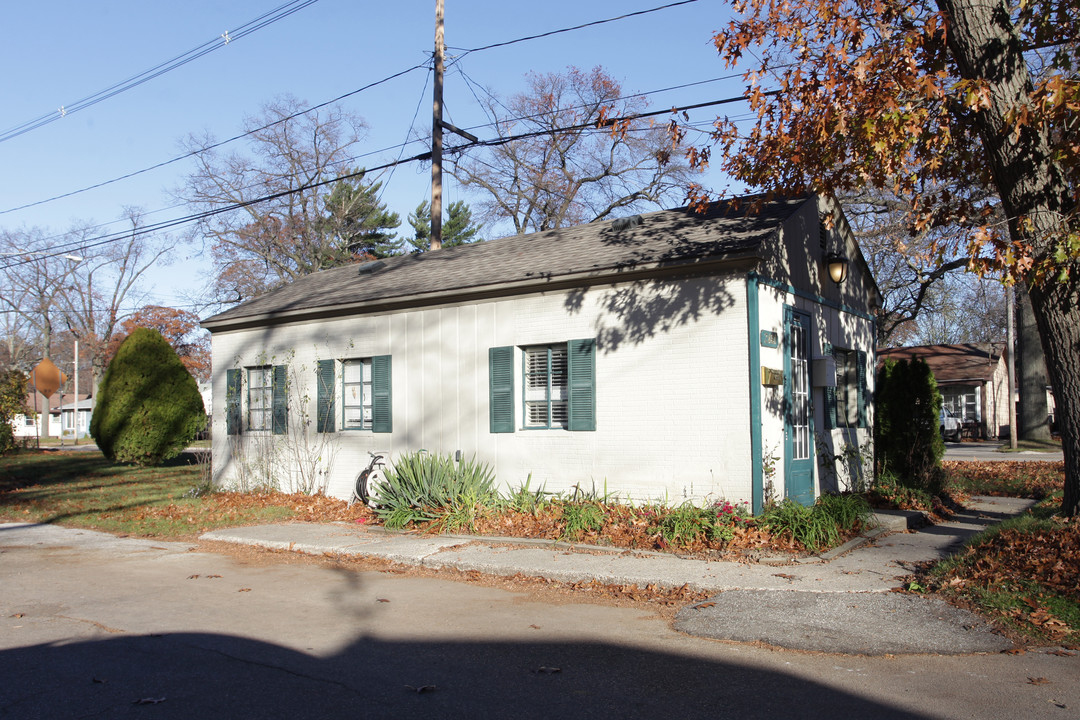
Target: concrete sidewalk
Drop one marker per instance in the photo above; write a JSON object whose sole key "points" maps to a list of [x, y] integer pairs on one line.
{"points": [[840, 602]]}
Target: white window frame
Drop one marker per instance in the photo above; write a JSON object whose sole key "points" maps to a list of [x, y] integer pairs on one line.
{"points": [[545, 387], [259, 415], [356, 395]]}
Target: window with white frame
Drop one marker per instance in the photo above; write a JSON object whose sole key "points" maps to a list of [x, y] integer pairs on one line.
{"points": [[545, 386], [260, 395], [356, 394], [556, 384], [962, 401]]}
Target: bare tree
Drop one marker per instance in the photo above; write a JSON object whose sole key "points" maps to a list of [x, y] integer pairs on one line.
{"points": [[35, 282], [82, 290], [928, 295], [306, 225], [566, 166], [107, 281]]}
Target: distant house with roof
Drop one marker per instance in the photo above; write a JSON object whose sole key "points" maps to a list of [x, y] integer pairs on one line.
{"points": [[60, 420], [671, 355], [973, 379]]}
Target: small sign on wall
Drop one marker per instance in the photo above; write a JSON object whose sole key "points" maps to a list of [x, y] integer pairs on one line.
{"points": [[770, 339], [771, 376]]}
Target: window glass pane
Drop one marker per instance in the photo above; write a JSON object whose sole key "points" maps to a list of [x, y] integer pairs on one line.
{"points": [[260, 398], [559, 414], [847, 389], [545, 386], [352, 371], [356, 390], [536, 414]]}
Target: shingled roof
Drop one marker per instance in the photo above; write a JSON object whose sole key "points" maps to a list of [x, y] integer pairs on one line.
{"points": [[646, 243], [951, 364]]}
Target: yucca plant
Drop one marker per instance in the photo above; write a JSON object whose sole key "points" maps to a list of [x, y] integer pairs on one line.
{"points": [[421, 487]]}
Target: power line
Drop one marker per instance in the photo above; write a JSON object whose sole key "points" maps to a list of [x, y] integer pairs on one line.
{"points": [[268, 18], [195, 217], [575, 27], [394, 76], [216, 145]]}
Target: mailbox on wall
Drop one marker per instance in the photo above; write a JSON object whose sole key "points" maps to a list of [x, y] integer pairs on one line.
{"points": [[771, 376]]}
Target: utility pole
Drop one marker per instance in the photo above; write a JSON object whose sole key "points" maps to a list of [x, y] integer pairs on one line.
{"points": [[436, 131], [1010, 344], [75, 424]]}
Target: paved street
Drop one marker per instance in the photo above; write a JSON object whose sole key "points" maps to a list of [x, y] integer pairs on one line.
{"points": [[96, 626], [990, 452]]}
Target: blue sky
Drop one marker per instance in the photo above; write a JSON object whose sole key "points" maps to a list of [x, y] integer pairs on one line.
{"points": [[54, 54]]}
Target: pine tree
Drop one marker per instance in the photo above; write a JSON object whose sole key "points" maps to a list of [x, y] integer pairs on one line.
{"points": [[457, 229], [356, 223]]}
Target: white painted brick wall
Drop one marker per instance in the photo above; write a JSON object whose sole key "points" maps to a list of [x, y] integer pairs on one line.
{"points": [[672, 389]]}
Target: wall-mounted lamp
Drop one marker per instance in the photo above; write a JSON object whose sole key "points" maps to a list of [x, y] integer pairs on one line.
{"points": [[838, 267]]}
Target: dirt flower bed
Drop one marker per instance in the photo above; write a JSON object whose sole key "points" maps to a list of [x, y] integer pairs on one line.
{"points": [[623, 527]]}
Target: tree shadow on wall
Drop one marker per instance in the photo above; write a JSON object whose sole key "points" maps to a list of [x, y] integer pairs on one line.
{"points": [[643, 309]]}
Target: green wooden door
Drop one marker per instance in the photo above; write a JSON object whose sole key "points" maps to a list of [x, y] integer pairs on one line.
{"points": [[798, 412]]}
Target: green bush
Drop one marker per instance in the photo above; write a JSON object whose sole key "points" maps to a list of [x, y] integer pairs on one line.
{"points": [[849, 512], [148, 408], [420, 484], [907, 437], [688, 523], [12, 402], [819, 526]]}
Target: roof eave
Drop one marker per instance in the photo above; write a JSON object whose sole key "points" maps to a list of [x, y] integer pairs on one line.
{"points": [[731, 262]]}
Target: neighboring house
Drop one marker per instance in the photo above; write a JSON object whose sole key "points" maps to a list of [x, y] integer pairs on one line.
{"points": [[206, 391], [67, 411], [60, 418], [973, 379], [36, 422], [671, 355]]}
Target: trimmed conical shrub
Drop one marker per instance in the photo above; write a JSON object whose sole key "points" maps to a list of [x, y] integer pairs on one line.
{"points": [[148, 407]]}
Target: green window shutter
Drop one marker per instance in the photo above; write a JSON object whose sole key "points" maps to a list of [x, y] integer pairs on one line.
{"points": [[382, 420], [830, 396], [581, 369], [501, 376], [233, 417], [860, 371], [281, 404], [325, 378]]}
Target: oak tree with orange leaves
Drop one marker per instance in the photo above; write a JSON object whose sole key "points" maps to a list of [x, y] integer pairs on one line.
{"points": [[970, 109]]}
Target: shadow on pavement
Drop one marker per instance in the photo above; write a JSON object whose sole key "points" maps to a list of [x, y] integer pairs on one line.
{"points": [[211, 676]]}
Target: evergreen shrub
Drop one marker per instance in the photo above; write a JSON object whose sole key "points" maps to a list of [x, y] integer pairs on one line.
{"points": [[13, 387], [148, 407], [907, 438]]}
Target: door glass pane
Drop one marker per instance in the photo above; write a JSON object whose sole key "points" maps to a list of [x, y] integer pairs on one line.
{"points": [[800, 395]]}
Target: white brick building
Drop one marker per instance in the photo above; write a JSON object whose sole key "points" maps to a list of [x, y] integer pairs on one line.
{"points": [[631, 356]]}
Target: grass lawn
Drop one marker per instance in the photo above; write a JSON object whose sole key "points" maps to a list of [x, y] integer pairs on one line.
{"points": [[83, 489], [1025, 572]]}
